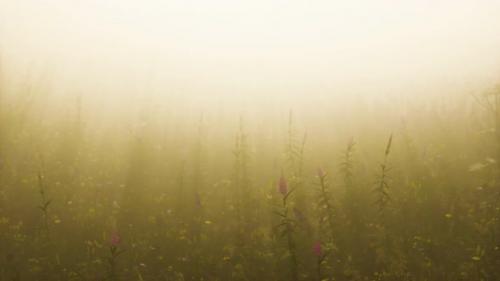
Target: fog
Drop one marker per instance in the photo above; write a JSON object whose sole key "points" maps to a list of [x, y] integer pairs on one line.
{"points": [[276, 140], [251, 50]]}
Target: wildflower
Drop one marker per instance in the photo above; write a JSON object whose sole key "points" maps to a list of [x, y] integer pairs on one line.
{"points": [[317, 249], [283, 186], [115, 240]]}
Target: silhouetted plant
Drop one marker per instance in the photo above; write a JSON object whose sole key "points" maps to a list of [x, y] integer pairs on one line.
{"points": [[320, 255], [114, 252], [44, 203], [286, 226], [325, 204], [382, 188]]}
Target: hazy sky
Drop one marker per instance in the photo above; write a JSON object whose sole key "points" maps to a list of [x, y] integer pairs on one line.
{"points": [[255, 46]]}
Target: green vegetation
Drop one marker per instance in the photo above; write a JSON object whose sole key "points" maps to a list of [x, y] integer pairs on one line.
{"points": [[171, 197]]}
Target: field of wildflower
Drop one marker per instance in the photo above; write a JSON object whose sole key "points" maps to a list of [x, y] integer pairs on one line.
{"points": [[358, 194]]}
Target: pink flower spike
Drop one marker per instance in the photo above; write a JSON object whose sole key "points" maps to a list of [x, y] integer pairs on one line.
{"points": [[283, 186], [317, 249], [115, 239]]}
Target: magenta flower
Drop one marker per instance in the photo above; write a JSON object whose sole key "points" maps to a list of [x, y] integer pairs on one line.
{"points": [[283, 186], [115, 240], [317, 249]]}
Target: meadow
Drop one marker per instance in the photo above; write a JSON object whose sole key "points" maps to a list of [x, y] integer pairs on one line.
{"points": [[377, 190]]}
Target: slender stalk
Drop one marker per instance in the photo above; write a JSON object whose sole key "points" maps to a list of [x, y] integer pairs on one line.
{"points": [[287, 226], [44, 203], [382, 188], [326, 204]]}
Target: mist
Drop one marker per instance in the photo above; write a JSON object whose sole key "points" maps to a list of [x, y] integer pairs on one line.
{"points": [[249, 140], [251, 50]]}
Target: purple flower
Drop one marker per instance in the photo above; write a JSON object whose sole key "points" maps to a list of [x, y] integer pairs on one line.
{"points": [[283, 186], [115, 239], [317, 249]]}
